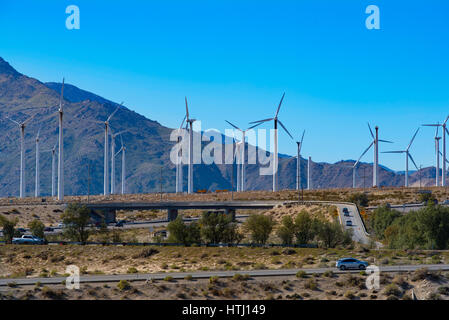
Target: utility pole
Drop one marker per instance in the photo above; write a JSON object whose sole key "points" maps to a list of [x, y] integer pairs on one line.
{"points": [[88, 182]]}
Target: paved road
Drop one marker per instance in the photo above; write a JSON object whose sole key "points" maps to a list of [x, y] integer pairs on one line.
{"points": [[208, 274], [359, 232]]}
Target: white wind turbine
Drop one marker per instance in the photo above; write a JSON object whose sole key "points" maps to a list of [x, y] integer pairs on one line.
{"points": [[22, 126], [275, 153], [179, 177], [242, 145], [437, 154], [445, 131], [190, 172], [61, 147], [375, 142], [407, 156], [37, 188], [113, 136], [53, 170], [106, 187], [123, 151], [298, 162]]}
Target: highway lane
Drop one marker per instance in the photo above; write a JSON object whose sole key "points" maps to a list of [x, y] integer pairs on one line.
{"points": [[359, 233], [208, 274]]}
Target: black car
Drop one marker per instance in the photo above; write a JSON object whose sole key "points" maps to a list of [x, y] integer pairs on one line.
{"points": [[120, 223], [49, 229], [21, 230]]}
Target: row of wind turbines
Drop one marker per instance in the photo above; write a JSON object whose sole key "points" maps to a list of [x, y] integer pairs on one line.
{"points": [[109, 156], [241, 149]]}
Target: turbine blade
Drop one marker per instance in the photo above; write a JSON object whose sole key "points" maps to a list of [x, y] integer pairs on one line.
{"points": [[385, 141], [29, 119], [447, 118], [393, 151], [120, 133], [302, 138], [410, 144], [112, 114], [279, 107], [187, 110], [285, 129], [13, 121], [252, 127], [365, 151], [371, 131], [430, 125], [233, 125], [447, 131], [264, 120], [411, 158], [182, 123]]}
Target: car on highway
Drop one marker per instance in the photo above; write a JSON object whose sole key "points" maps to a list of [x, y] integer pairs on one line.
{"points": [[21, 230], [49, 229], [28, 239], [351, 263], [120, 223], [348, 223]]}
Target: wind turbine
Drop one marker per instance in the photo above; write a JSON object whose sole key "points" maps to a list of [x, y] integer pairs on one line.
{"points": [[243, 149], [53, 171], [113, 136], [445, 130], [61, 147], [298, 162], [179, 163], [275, 120], [22, 126], [106, 151], [407, 156], [123, 151], [375, 142], [437, 154], [37, 188], [190, 173]]}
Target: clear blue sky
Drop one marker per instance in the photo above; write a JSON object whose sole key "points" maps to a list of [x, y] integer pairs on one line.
{"points": [[234, 59]]}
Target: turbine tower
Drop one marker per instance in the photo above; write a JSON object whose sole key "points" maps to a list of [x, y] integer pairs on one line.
{"points": [[445, 130], [437, 154], [309, 174], [113, 136], [242, 151], [106, 186], [179, 162], [53, 171], [276, 121], [123, 151], [22, 126], [37, 188], [407, 156], [375, 142], [298, 162], [190, 173], [61, 147]]}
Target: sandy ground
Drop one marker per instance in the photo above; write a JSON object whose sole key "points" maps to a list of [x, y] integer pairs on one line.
{"points": [[48, 214], [32, 261], [313, 287], [377, 196]]}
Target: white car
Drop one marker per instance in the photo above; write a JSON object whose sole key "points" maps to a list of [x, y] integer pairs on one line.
{"points": [[28, 239]]}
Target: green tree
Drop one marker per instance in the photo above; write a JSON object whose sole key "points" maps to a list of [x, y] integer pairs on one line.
{"points": [[287, 230], [360, 199], [182, 233], [9, 228], [332, 234], [381, 219], [260, 227], [304, 227], [218, 228], [37, 228], [76, 219]]}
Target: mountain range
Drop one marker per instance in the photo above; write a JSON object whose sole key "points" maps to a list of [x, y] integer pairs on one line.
{"points": [[148, 145]]}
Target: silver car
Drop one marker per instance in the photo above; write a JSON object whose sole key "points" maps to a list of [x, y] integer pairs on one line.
{"points": [[351, 263]]}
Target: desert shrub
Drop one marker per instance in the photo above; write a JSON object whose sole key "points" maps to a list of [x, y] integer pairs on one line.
{"points": [[443, 290], [328, 274], [188, 277], [301, 274], [214, 279], [8, 226], [311, 284], [145, 253], [286, 231], [37, 228], [183, 233], [392, 290], [123, 285], [76, 219], [169, 279], [420, 274], [219, 228], [360, 199], [52, 294], [240, 277], [349, 295], [132, 270]]}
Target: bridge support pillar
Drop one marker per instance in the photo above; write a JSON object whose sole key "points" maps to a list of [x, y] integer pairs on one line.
{"points": [[172, 214], [231, 212]]}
